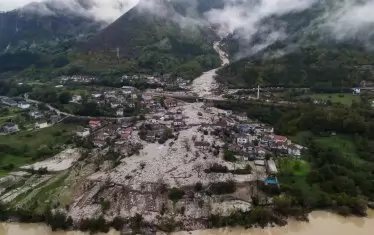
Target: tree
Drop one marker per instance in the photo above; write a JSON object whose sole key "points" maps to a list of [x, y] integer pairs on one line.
{"points": [[176, 194], [65, 97]]}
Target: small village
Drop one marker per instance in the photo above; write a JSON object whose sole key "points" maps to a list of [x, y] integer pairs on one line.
{"points": [[176, 146], [216, 160], [25, 115]]}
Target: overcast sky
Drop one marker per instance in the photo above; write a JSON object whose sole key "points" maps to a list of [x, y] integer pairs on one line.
{"points": [[6, 5]]}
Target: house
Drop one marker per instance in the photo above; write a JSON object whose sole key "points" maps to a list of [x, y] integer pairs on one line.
{"points": [[151, 136], [9, 128], [244, 128], [242, 140], [242, 117], [126, 134], [202, 145], [230, 122], [260, 151], [294, 151], [96, 95], [271, 168], [54, 119], [99, 143], [356, 91], [178, 123], [119, 113], [280, 139], [83, 133], [23, 105], [76, 99], [41, 125], [268, 130], [35, 114], [94, 124], [259, 162], [170, 102]]}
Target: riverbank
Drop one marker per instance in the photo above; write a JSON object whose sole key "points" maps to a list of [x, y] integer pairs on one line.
{"points": [[320, 222], [323, 223]]}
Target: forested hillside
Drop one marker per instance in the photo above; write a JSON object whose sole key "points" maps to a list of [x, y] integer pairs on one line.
{"points": [[153, 43], [20, 30], [306, 67]]}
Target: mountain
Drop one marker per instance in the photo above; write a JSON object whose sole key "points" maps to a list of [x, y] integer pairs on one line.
{"points": [[52, 22], [165, 39]]}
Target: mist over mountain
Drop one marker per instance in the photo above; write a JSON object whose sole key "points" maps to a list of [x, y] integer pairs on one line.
{"points": [[166, 35]]}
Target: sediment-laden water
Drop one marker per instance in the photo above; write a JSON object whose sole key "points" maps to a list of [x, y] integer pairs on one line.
{"points": [[321, 223]]}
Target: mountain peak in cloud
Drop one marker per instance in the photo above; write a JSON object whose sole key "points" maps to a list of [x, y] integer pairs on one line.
{"points": [[100, 10]]}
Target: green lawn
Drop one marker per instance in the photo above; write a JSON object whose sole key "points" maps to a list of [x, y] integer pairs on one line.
{"points": [[337, 98], [344, 143], [296, 167], [35, 139], [25, 147]]}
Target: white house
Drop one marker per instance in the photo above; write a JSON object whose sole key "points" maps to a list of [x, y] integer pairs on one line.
{"points": [[23, 105], [119, 112], [242, 139], [294, 151], [114, 105], [35, 114], [76, 99], [83, 133], [356, 91], [271, 167], [41, 125], [96, 95]]}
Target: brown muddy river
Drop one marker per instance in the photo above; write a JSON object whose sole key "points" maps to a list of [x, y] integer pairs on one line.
{"points": [[321, 223]]}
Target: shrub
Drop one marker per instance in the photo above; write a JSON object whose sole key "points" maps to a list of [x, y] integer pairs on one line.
{"points": [[217, 168], [223, 187], [229, 156], [246, 171], [176, 194], [198, 187]]}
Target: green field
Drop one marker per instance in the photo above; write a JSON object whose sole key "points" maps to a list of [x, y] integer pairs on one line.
{"points": [[336, 98], [295, 167], [30, 146], [343, 143]]}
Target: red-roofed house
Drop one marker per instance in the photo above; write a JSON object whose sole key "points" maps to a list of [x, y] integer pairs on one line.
{"points": [[94, 124], [280, 139], [260, 150]]}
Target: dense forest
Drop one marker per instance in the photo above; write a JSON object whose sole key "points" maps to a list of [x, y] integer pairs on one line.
{"points": [[305, 67]]}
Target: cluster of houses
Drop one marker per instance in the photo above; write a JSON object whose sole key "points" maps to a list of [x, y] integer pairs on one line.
{"points": [[76, 79], [13, 103], [162, 80], [37, 119], [118, 100], [102, 132]]}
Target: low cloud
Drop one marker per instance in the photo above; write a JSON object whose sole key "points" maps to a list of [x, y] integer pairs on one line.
{"points": [[257, 24], [349, 19], [100, 10]]}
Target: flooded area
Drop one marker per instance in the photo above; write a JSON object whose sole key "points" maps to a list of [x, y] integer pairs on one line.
{"points": [[321, 223]]}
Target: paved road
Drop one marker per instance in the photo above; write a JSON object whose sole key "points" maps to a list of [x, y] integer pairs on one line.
{"points": [[59, 112]]}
